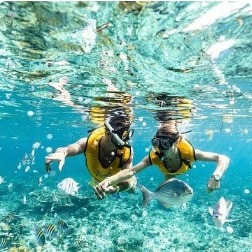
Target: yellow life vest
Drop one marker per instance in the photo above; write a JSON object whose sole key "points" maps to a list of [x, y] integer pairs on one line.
{"points": [[97, 171], [187, 156]]}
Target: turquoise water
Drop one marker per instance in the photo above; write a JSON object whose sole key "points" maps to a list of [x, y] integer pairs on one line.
{"points": [[65, 66]]}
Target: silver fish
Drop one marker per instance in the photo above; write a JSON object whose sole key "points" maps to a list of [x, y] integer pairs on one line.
{"points": [[24, 200], [40, 180], [171, 193], [68, 186], [1, 180], [220, 212]]}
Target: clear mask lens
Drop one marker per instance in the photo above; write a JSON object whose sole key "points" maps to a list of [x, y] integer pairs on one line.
{"points": [[127, 134], [166, 143], [162, 143]]}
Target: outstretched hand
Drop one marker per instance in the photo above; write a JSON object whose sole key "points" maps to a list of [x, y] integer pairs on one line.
{"points": [[103, 188], [56, 156], [212, 184]]}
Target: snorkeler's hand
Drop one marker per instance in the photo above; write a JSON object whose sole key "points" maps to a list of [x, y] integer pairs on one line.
{"points": [[108, 190], [213, 184], [58, 156], [103, 188]]}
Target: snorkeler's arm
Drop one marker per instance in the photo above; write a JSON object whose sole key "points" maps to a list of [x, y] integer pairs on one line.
{"points": [[76, 148], [222, 165], [61, 153], [104, 187], [128, 173]]}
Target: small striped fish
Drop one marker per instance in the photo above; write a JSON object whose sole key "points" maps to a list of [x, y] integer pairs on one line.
{"points": [[62, 225], [80, 243], [40, 236], [3, 242], [51, 230], [68, 186]]}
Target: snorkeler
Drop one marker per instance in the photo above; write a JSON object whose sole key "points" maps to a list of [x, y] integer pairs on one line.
{"points": [[106, 151], [174, 156]]}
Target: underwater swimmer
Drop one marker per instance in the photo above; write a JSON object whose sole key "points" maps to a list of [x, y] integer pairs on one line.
{"points": [[174, 156], [106, 151]]}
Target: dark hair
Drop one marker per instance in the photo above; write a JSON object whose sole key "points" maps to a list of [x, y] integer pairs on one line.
{"points": [[118, 122], [168, 130]]}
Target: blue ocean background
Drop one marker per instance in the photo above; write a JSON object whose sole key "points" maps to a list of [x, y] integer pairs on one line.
{"points": [[145, 50]]}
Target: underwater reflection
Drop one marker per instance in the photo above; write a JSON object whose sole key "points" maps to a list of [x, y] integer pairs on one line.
{"points": [[112, 103], [170, 107]]}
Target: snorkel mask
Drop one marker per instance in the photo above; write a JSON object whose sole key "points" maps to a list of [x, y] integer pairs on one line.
{"points": [[120, 136], [163, 143]]}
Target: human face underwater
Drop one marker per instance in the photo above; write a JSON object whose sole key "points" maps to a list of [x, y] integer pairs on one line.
{"points": [[119, 136]]}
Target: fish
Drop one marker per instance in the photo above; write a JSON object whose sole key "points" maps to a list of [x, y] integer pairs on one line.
{"points": [[24, 200], [40, 236], [40, 180], [68, 186], [220, 212], [173, 192], [19, 166], [50, 231], [36, 145], [3, 242], [1, 180], [10, 185], [62, 225], [63, 228]]}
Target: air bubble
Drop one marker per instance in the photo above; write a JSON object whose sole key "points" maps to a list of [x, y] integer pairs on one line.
{"points": [[230, 230], [147, 149], [30, 113], [246, 191], [49, 136], [49, 149]]}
